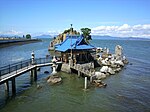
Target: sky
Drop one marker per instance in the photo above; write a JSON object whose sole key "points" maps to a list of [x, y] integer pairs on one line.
{"points": [[121, 18]]}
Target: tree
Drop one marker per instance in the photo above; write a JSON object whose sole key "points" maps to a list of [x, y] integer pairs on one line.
{"points": [[86, 34], [28, 36]]}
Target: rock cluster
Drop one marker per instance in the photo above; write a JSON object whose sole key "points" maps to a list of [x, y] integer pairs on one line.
{"points": [[99, 83], [110, 63], [53, 79]]}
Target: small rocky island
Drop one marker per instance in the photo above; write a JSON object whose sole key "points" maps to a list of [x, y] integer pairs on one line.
{"points": [[79, 56]]}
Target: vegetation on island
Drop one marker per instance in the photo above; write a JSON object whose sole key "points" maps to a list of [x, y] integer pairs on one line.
{"points": [[28, 36], [86, 34], [71, 31]]}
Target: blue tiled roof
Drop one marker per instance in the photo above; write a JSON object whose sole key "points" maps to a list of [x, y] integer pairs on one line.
{"points": [[74, 43]]}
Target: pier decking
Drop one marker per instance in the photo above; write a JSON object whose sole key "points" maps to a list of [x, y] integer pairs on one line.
{"points": [[10, 72]]}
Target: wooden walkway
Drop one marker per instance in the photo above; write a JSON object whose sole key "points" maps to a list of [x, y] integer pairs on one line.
{"points": [[16, 69], [16, 73], [10, 72]]}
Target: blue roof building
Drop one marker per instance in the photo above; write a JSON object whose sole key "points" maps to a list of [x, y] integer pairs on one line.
{"points": [[76, 47], [74, 43]]}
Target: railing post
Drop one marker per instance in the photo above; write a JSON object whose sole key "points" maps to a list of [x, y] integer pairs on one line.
{"points": [[21, 64], [27, 64], [9, 68], [0, 74], [16, 69]]}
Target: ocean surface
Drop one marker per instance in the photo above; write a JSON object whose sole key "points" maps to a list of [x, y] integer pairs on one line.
{"points": [[127, 91]]}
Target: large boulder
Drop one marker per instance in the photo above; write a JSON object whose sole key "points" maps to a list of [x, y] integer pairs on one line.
{"points": [[100, 75], [104, 69], [119, 62], [117, 69], [111, 71], [124, 60], [103, 62], [54, 79], [118, 52]]}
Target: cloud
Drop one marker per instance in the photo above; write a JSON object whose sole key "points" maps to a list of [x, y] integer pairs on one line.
{"points": [[11, 33], [124, 30], [53, 32]]}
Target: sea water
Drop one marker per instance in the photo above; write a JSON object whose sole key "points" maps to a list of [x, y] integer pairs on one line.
{"points": [[127, 91]]}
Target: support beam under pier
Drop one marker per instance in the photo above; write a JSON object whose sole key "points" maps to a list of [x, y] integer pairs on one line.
{"points": [[13, 86], [6, 87]]}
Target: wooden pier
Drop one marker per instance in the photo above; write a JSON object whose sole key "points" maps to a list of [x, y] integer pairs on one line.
{"points": [[10, 72]]}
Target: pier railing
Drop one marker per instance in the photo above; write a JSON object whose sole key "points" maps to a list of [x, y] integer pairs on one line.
{"points": [[22, 64]]}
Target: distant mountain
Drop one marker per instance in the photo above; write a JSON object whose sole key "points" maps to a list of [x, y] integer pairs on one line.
{"points": [[43, 36], [105, 37]]}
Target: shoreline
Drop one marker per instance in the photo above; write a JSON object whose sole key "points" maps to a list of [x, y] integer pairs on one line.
{"points": [[12, 42]]}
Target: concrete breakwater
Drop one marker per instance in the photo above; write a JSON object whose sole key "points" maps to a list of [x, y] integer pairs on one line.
{"points": [[6, 43]]}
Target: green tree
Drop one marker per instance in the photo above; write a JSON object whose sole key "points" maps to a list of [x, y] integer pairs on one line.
{"points": [[28, 36], [86, 34]]}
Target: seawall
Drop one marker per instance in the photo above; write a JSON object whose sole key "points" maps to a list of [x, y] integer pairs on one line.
{"points": [[11, 42]]}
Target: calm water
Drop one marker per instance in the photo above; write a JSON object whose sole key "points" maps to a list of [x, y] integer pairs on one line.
{"points": [[127, 91]]}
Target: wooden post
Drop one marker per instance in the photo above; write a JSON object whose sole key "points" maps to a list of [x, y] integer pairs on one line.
{"points": [[13, 86], [85, 84]]}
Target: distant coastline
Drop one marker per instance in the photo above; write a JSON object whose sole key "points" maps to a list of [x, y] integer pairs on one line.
{"points": [[11, 42]]}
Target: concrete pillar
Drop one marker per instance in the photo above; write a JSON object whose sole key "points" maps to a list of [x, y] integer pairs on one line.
{"points": [[7, 86], [35, 74], [79, 73], [70, 62], [13, 86], [91, 79], [54, 68], [85, 83]]}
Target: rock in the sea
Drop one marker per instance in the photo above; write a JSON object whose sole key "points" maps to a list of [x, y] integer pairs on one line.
{"points": [[118, 50], [103, 62], [125, 61], [99, 83], [119, 62], [100, 75], [54, 79], [104, 69], [117, 69], [111, 71]]}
